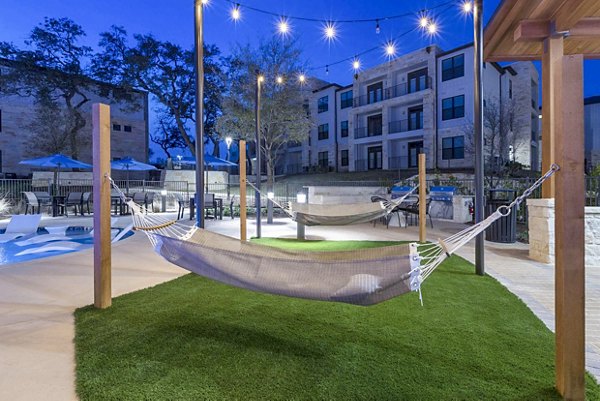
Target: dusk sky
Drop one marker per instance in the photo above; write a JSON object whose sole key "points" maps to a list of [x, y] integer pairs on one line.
{"points": [[173, 21]]}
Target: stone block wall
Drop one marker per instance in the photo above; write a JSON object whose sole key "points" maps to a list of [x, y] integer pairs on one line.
{"points": [[541, 232]]}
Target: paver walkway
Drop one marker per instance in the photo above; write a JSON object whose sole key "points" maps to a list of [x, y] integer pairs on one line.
{"points": [[37, 298]]}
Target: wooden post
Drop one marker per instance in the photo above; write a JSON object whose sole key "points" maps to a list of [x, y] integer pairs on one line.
{"points": [[101, 154], [422, 198], [551, 69], [567, 95], [243, 191]]}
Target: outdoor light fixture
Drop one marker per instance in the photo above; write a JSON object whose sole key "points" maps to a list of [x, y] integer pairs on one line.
{"points": [[235, 13], [467, 7], [356, 64], [329, 31], [163, 192], [270, 195], [228, 141], [377, 28], [302, 78], [204, 2], [423, 22], [390, 49], [432, 28], [301, 197], [261, 78], [283, 26], [279, 79]]}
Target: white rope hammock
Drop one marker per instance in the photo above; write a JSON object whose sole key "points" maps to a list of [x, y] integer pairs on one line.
{"points": [[339, 214], [361, 277]]}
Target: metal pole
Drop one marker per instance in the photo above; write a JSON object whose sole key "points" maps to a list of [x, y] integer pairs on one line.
{"points": [[199, 63], [258, 161], [478, 130]]}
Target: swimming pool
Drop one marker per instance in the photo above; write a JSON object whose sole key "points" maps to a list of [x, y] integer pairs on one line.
{"points": [[52, 241]]}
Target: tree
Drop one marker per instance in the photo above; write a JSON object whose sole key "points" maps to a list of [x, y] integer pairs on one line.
{"points": [[167, 135], [53, 72], [502, 137], [166, 71], [283, 116]]}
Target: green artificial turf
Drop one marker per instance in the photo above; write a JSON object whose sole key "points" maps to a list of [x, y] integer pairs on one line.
{"points": [[194, 339]]}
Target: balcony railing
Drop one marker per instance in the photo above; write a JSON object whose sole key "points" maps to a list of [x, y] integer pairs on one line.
{"points": [[403, 126], [363, 132], [390, 93]]}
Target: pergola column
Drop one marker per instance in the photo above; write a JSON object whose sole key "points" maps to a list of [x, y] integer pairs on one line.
{"points": [[567, 97]]}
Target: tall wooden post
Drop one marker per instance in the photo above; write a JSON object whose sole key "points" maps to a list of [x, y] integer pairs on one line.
{"points": [[551, 70], [422, 198], [101, 154], [570, 229], [243, 191]]}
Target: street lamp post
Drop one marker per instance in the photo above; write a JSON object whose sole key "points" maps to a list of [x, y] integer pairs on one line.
{"points": [[199, 99], [259, 79], [228, 141], [478, 130]]}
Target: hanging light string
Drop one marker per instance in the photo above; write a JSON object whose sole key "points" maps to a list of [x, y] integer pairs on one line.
{"points": [[377, 20]]}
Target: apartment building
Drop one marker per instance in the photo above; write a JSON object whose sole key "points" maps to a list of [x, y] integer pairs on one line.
{"points": [[592, 132], [420, 102], [129, 135]]}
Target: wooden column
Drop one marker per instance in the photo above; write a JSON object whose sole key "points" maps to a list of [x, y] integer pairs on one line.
{"points": [[101, 154], [243, 191], [551, 70], [569, 228], [422, 198]]}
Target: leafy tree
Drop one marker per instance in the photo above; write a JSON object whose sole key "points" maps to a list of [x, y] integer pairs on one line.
{"points": [[166, 71], [52, 70], [283, 114], [167, 135]]}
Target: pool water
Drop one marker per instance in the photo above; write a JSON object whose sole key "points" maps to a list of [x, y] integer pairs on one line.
{"points": [[50, 242]]}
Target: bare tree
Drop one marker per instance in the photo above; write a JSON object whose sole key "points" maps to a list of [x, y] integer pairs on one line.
{"points": [[502, 139]]}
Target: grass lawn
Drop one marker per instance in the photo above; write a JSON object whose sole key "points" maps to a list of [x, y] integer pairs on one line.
{"points": [[194, 339]]}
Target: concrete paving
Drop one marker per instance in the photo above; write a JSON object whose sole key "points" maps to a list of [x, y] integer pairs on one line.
{"points": [[37, 298]]}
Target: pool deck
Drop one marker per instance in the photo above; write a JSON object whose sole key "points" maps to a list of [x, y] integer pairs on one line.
{"points": [[37, 298]]}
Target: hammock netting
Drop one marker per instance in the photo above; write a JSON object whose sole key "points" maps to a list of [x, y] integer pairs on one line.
{"points": [[359, 277]]}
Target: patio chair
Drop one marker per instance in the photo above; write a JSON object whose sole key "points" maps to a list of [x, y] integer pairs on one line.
{"points": [[413, 210], [210, 204], [31, 201], [85, 201], [21, 225], [182, 203], [44, 200], [141, 199], [74, 199], [150, 200]]}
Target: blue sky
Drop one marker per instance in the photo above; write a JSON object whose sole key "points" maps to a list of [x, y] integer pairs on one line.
{"points": [[173, 21]]}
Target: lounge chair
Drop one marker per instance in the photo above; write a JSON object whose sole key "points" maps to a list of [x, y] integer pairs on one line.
{"points": [[21, 225]]}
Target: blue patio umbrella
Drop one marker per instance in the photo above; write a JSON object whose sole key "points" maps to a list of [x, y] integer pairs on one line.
{"points": [[130, 164], [57, 162]]}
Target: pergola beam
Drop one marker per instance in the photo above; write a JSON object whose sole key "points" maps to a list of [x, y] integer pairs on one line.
{"points": [[572, 11], [538, 30]]}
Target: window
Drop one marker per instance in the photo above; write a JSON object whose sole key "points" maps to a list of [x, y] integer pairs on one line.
{"points": [[415, 118], [344, 128], [417, 81], [346, 99], [323, 132], [453, 67], [453, 148], [414, 149], [116, 127], [375, 93], [453, 107], [374, 125], [344, 157], [127, 128], [323, 159], [509, 89], [323, 104], [375, 157]]}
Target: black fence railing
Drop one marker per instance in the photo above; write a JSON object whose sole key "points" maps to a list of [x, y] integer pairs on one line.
{"points": [[395, 91], [363, 132]]}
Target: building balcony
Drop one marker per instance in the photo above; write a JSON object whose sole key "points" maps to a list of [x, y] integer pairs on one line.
{"points": [[363, 132], [395, 127], [402, 89]]}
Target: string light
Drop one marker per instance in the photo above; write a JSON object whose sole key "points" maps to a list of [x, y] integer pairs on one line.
{"points": [[390, 49], [377, 28], [302, 78], [423, 21], [283, 26], [432, 28], [205, 2], [329, 31], [326, 70], [467, 7], [356, 64], [235, 13], [279, 79]]}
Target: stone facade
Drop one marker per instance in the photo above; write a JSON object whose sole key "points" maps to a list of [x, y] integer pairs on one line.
{"points": [[541, 232]]}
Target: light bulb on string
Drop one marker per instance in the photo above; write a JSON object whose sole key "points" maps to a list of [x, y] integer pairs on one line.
{"points": [[467, 7], [302, 79], [204, 2], [356, 64], [279, 80], [423, 21], [236, 14], [283, 27], [326, 70], [377, 28], [329, 31], [390, 49], [432, 28]]}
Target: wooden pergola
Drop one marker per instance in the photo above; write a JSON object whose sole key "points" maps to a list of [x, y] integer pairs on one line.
{"points": [[560, 33]]}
